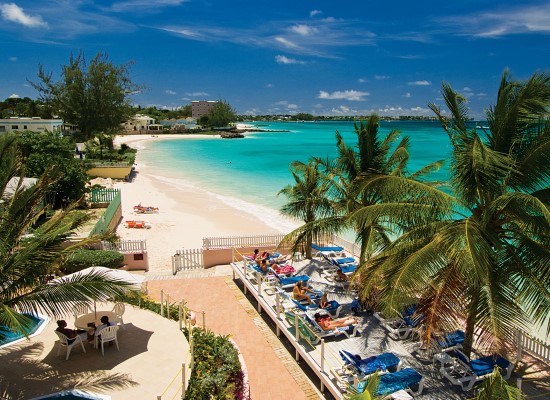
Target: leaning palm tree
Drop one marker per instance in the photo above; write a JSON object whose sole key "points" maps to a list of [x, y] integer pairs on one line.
{"points": [[31, 247], [306, 198], [486, 264]]}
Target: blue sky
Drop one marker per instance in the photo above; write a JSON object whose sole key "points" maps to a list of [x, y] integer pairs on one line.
{"points": [[282, 57]]}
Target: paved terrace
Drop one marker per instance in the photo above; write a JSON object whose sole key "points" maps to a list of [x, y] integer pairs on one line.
{"points": [[152, 350]]}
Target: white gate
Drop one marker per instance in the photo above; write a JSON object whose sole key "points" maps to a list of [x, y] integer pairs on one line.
{"points": [[187, 260]]}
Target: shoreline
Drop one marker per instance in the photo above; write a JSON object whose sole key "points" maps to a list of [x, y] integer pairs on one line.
{"points": [[187, 213]]}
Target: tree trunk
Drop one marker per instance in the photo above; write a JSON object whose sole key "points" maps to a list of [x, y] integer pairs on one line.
{"points": [[309, 240], [470, 325]]}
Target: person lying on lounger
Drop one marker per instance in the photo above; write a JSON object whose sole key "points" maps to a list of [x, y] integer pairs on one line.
{"points": [[328, 324], [300, 292]]}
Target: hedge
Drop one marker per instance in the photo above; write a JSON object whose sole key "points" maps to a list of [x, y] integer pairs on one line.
{"points": [[81, 259]]}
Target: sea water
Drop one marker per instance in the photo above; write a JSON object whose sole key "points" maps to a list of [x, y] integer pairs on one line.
{"points": [[248, 173]]}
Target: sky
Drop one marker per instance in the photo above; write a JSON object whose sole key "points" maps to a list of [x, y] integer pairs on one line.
{"points": [[285, 57]]}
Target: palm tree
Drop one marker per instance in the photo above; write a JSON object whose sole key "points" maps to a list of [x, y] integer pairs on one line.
{"points": [[487, 262], [366, 178], [30, 248], [496, 388], [306, 198]]}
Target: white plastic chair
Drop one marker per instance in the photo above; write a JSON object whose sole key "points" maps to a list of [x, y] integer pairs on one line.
{"points": [[109, 334], [64, 341], [81, 309], [119, 309]]}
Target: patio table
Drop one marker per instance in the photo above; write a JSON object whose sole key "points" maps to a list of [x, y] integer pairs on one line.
{"points": [[83, 320]]}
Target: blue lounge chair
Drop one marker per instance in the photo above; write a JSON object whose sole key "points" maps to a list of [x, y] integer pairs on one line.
{"points": [[326, 248], [401, 327], [451, 340], [344, 261], [337, 332], [364, 367], [406, 379], [292, 280], [466, 373]]}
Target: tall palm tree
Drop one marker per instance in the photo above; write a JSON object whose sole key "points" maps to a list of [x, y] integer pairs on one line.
{"points": [[306, 198], [366, 178], [30, 248], [488, 262]]}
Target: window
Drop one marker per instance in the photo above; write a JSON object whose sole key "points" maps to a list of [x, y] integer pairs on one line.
{"points": [[2, 128], [15, 127], [138, 257], [25, 127]]}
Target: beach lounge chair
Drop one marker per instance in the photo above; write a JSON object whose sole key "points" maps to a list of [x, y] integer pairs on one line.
{"points": [[289, 282], [364, 367], [450, 340], [401, 327], [347, 331], [306, 332], [328, 251], [466, 373], [406, 379]]}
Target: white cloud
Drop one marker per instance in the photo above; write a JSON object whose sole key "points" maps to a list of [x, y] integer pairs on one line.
{"points": [[132, 5], [407, 95], [420, 110], [286, 60], [13, 59], [14, 96], [420, 83], [287, 43], [343, 110], [292, 106], [381, 77], [12, 12], [362, 80], [197, 94], [170, 92], [269, 85], [313, 13], [304, 30], [350, 95]]}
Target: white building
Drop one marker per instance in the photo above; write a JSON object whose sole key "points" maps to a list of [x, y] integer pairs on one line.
{"points": [[141, 123], [34, 124]]}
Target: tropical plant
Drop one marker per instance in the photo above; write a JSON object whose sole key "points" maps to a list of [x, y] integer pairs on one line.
{"points": [[496, 388], [368, 391], [307, 198], [486, 261], [81, 259], [26, 259]]}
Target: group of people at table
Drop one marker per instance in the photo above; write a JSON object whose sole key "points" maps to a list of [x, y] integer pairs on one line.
{"points": [[91, 334]]}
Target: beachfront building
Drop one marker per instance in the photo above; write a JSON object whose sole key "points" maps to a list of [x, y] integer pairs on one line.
{"points": [[141, 124], [201, 107], [34, 124]]}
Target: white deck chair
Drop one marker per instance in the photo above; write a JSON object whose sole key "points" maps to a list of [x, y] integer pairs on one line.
{"points": [[68, 343], [119, 309], [109, 334], [81, 309]]}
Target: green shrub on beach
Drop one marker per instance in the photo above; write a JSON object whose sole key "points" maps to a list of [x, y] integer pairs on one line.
{"points": [[81, 259]]}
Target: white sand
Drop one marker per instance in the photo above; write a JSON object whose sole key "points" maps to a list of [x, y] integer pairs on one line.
{"points": [[185, 216]]}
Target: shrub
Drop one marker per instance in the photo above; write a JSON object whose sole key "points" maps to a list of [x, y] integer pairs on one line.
{"points": [[81, 259]]}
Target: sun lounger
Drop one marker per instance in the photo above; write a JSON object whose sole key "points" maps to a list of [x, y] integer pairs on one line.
{"points": [[406, 379], [326, 248], [305, 331], [289, 282], [401, 327], [328, 251], [466, 373], [450, 341], [347, 331], [364, 367]]}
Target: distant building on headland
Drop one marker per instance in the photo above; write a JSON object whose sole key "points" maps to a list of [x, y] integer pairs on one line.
{"points": [[141, 124], [201, 107], [34, 124]]}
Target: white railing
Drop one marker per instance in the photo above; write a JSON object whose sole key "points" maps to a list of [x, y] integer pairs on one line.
{"points": [[351, 247], [242, 241], [187, 260], [535, 347], [126, 246]]}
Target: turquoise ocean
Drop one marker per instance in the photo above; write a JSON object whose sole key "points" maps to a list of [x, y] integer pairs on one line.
{"points": [[248, 173]]}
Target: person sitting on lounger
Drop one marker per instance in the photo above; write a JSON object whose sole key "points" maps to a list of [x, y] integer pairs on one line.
{"points": [[323, 301], [264, 266], [300, 292], [340, 276], [328, 324]]}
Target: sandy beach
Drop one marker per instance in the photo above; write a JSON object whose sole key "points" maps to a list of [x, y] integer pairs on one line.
{"points": [[185, 217]]}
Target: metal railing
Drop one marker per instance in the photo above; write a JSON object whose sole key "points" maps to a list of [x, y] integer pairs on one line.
{"points": [[110, 164], [187, 260]]}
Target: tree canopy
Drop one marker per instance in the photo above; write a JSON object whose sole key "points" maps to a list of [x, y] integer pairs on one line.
{"points": [[221, 115], [92, 96]]}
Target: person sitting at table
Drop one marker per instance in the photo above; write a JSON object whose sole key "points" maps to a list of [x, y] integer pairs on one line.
{"points": [[104, 324], [70, 333]]}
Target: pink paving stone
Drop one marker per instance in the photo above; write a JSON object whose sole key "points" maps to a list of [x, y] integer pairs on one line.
{"points": [[268, 377]]}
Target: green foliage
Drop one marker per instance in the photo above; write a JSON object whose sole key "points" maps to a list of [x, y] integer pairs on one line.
{"points": [[92, 96], [303, 117], [496, 388], [80, 259], [44, 151], [25, 107], [221, 115]]}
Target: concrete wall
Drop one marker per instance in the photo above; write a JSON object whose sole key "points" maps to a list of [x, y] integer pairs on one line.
{"points": [[110, 172], [131, 264]]}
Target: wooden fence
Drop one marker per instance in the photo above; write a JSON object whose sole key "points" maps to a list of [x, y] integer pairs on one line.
{"points": [[535, 347], [228, 242], [102, 195], [126, 246], [187, 260]]}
